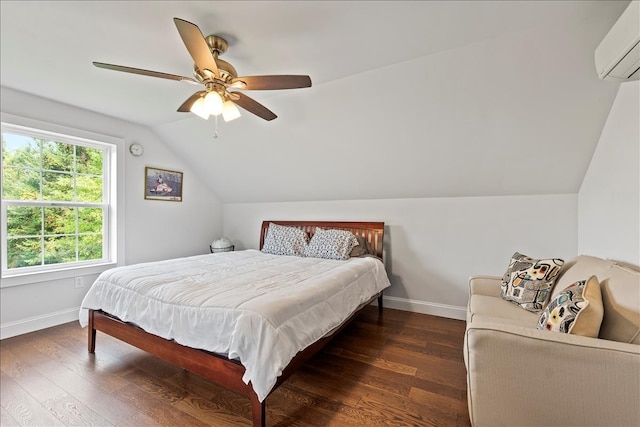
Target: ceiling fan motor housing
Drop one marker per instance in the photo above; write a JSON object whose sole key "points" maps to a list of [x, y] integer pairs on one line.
{"points": [[218, 46], [226, 70]]}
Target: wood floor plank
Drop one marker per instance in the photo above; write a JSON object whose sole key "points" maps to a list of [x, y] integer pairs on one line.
{"points": [[162, 412], [6, 420], [72, 412], [318, 409], [361, 374], [436, 401], [208, 412], [398, 369], [100, 400], [155, 386], [23, 407], [378, 362], [59, 363], [399, 413], [32, 381], [139, 419], [317, 387], [196, 385]]}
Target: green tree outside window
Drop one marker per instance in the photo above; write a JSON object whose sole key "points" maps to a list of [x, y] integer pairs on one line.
{"points": [[54, 196]]}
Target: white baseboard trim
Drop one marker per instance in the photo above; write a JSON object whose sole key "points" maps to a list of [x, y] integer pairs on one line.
{"points": [[424, 307], [31, 324]]}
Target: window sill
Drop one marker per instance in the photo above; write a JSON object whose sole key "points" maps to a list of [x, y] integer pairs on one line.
{"points": [[45, 276]]}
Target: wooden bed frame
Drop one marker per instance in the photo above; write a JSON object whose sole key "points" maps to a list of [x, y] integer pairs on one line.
{"points": [[218, 368]]}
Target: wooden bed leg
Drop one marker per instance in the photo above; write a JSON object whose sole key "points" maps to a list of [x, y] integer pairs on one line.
{"points": [[380, 303], [92, 334], [258, 411]]}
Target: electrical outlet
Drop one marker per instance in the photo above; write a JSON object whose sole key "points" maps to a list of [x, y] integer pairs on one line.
{"points": [[79, 282]]}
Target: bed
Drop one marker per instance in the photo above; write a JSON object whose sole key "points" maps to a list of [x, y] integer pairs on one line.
{"points": [[245, 320]]}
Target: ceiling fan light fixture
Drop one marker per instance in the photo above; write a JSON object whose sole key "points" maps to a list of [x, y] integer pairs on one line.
{"points": [[217, 76], [198, 108], [230, 111], [213, 103]]}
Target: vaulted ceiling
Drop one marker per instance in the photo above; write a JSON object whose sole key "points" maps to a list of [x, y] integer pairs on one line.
{"points": [[409, 99]]}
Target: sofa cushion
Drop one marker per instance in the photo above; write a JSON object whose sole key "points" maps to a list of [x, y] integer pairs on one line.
{"points": [[492, 309], [580, 268], [485, 285], [621, 300], [620, 287], [528, 282], [575, 310]]}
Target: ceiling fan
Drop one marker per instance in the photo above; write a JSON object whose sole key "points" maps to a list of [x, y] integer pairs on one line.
{"points": [[217, 76]]}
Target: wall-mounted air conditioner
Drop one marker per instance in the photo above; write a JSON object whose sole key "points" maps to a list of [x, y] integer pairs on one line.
{"points": [[618, 55]]}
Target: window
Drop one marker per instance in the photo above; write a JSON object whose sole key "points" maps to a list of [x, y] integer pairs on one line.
{"points": [[58, 195]]}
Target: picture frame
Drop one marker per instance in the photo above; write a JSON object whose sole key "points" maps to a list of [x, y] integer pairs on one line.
{"points": [[162, 184]]}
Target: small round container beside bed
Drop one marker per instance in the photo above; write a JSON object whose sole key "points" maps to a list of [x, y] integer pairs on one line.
{"points": [[223, 244]]}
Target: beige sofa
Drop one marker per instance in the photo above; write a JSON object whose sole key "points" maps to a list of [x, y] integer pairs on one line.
{"points": [[518, 375]]}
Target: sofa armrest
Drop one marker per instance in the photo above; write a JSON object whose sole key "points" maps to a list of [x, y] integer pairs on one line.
{"points": [[523, 376], [485, 285]]}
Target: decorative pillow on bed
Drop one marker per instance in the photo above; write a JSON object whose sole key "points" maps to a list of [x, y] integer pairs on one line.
{"points": [[528, 282], [283, 240], [363, 248], [577, 310], [331, 244]]}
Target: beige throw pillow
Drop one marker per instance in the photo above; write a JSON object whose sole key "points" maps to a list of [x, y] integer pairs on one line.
{"points": [[577, 310]]}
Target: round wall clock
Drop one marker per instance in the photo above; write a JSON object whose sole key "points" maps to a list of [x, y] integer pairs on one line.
{"points": [[136, 149]]}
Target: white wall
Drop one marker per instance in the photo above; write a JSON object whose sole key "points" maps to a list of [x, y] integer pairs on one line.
{"points": [[609, 198], [433, 245], [153, 229]]}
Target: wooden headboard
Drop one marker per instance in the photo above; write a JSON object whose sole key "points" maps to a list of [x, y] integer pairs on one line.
{"points": [[372, 231]]}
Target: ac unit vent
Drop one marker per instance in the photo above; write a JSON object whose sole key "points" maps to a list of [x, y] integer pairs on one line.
{"points": [[618, 55]]}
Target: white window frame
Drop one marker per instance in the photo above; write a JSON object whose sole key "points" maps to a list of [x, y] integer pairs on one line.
{"points": [[113, 231]]}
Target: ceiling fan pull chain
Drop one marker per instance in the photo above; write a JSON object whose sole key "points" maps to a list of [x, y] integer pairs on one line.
{"points": [[215, 133]]}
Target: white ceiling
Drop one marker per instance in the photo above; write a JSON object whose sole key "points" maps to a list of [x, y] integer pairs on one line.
{"points": [[502, 80]]}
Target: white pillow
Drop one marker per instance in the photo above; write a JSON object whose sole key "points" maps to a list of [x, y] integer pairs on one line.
{"points": [[331, 244], [283, 240]]}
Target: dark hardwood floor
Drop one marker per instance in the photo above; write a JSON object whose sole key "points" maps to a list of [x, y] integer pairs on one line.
{"points": [[397, 369]]}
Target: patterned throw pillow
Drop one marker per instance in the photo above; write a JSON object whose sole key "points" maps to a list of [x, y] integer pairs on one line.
{"points": [[283, 240], [331, 244], [577, 310], [528, 282], [362, 248]]}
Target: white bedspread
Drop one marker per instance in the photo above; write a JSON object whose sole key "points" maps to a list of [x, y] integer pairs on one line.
{"points": [[261, 309]]}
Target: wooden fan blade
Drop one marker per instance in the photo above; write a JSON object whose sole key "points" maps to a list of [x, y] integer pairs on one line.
{"points": [[197, 46], [253, 106], [144, 72], [271, 82], [186, 105]]}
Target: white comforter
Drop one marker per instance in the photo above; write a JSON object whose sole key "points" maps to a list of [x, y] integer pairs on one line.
{"points": [[261, 309]]}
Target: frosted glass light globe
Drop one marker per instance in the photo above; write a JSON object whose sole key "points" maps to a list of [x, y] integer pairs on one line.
{"points": [[230, 111], [213, 103], [199, 109]]}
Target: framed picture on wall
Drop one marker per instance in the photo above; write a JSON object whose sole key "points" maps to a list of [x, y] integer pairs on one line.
{"points": [[162, 184]]}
